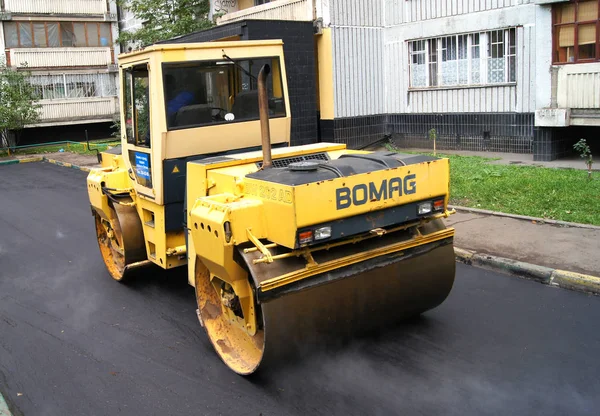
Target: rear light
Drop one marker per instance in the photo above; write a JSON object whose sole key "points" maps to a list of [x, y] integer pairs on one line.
{"points": [[424, 208], [322, 233], [305, 237], [438, 205]]}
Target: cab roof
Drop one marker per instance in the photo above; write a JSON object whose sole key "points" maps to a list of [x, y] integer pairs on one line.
{"points": [[162, 47]]}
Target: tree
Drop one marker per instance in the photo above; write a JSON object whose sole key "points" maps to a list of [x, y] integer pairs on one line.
{"points": [[165, 19], [585, 153], [18, 104]]}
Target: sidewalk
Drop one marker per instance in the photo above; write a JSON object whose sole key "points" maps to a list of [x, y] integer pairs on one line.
{"points": [[558, 247], [572, 162]]}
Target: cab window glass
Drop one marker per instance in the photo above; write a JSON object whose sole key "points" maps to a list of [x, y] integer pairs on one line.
{"points": [[137, 106], [216, 92]]}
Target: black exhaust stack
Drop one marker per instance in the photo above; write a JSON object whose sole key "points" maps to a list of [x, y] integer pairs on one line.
{"points": [[263, 109]]}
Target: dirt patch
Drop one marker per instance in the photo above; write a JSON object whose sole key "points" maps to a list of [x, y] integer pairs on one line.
{"points": [[73, 158]]}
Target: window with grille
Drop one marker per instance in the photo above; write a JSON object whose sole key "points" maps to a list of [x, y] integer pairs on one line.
{"points": [[484, 58], [576, 31], [73, 86]]}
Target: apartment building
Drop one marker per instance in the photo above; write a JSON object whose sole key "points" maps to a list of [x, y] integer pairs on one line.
{"points": [[499, 75], [69, 48]]}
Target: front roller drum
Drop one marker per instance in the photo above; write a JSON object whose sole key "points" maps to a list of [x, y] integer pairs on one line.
{"points": [[121, 241], [330, 306]]}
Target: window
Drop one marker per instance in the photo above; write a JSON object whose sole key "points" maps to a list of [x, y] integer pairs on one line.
{"points": [[457, 60], [576, 31], [63, 86], [137, 106], [211, 92], [56, 34], [259, 2]]}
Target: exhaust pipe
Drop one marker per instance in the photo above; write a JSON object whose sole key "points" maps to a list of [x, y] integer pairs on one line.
{"points": [[263, 110]]}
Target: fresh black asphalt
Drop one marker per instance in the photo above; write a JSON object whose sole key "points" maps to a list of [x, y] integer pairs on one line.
{"points": [[74, 342]]}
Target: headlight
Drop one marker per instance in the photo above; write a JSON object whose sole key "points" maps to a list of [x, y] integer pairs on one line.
{"points": [[322, 233], [424, 208]]}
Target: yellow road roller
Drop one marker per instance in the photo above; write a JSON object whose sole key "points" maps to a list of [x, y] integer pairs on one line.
{"points": [[287, 247]]}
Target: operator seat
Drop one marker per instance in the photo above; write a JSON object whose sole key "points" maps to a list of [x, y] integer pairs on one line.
{"points": [[192, 115], [245, 105]]}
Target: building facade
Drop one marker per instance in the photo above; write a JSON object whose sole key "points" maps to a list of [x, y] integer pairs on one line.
{"points": [[499, 75], [69, 48]]}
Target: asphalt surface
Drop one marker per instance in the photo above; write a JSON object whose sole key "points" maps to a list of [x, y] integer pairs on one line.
{"points": [[74, 342]]}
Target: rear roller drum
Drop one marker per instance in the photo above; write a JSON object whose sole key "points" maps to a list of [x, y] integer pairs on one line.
{"points": [[121, 240]]}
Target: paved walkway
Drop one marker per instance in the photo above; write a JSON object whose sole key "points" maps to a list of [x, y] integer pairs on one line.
{"points": [[572, 162], [567, 248]]}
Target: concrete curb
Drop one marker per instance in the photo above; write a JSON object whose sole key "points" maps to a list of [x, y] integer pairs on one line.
{"points": [[66, 164], [525, 217], [546, 275], [44, 159], [24, 160]]}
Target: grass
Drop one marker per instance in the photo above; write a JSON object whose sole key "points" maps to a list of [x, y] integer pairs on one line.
{"points": [[559, 194], [79, 148]]}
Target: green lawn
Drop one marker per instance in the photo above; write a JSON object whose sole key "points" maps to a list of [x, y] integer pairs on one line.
{"points": [[80, 148], [560, 194]]}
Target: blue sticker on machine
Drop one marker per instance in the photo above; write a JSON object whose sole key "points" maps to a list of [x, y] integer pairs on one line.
{"points": [[142, 165]]}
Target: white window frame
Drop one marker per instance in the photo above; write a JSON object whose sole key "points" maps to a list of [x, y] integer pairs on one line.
{"points": [[485, 52]]}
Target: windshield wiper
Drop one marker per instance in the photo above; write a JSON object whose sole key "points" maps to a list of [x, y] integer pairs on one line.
{"points": [[244, 70]]}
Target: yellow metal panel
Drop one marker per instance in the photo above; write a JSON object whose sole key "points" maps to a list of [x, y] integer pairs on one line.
{"points": [[223, 137], [325, 64], [278, 209], [112, 177], [127, 58], [344, 197], [155, 233], [207, 219]]}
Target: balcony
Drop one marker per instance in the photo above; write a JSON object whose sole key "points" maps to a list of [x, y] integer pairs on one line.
{"points": [[60, 57], [76, 111], [576, 97], [79, 7], [276, 10], [579, 86]]}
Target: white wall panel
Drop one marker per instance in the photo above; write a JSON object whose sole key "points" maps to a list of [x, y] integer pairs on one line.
{"points": [[404, 11], [84, 7], [358, 71], [357, 13], [579, 86]]}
